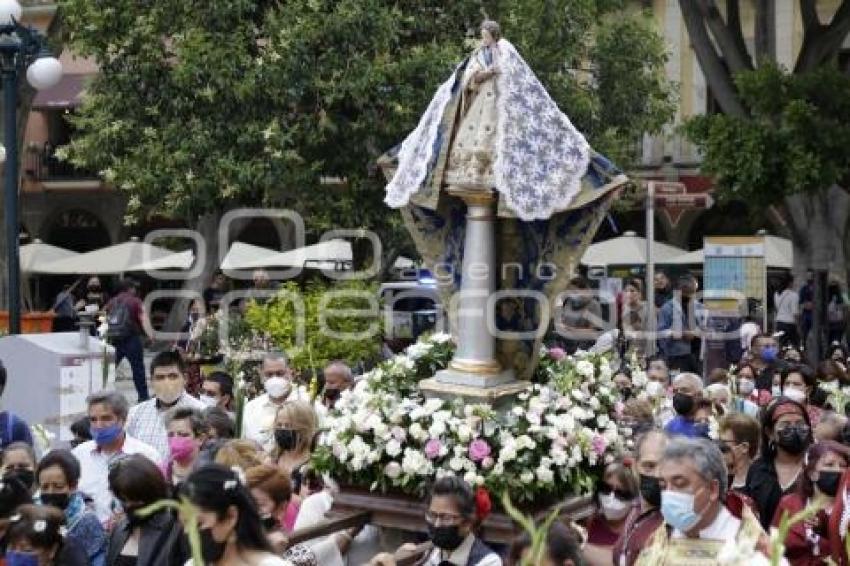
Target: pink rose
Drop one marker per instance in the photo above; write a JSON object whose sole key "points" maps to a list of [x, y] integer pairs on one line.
{"points": [[557, 354], [487, 463], [478, 450], [598, 444], [433, 448]]}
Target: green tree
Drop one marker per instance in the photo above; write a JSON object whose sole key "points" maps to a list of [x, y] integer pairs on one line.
{"points": [[202, 106], [781, 141]]}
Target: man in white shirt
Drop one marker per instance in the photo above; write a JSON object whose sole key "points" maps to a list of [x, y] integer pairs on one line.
{"points": [[787, 304], [168, 380], [693, 479], [107, 412], [259, 413]]}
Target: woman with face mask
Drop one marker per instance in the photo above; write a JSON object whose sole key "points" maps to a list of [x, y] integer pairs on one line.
{"points": [[18, 460], [153, 540], [798, 384], [230, 527], [745, 381], [34, 538], [808, 541], [617, 495], [186, 434], [830, 377], [786, 435], [57, 475]]}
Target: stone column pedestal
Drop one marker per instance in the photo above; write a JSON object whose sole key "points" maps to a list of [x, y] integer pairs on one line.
{"points": [[474, 372]]}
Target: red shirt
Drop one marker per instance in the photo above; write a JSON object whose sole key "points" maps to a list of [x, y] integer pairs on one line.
{"points": [[805, 544], [134, 304]]}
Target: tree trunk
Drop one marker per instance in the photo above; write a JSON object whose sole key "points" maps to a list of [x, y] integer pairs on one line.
{"points": [[818, 224]]}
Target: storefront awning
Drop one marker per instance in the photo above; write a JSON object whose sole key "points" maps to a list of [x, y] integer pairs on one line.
{"points": [[66, 94]]}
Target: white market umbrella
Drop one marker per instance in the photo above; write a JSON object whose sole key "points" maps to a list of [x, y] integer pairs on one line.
{"points": [[324, 255], [778, 253], [180, 260], [402, 262], [36, 255], [628, 249], [119, 258]]}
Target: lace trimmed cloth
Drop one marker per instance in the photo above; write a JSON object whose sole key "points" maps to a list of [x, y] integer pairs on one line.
{"points": [[540, 157]]}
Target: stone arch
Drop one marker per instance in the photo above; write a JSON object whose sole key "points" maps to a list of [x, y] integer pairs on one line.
{"points": [[76, 229]]}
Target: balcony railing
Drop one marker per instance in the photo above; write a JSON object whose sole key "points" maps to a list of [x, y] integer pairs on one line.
{"points": [[41, 164]]}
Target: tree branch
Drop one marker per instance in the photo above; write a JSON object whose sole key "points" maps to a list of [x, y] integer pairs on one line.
{"points": [[821, 43], [736, 58], [716, 74], [765, 31], [809, 13], [733, 22]]}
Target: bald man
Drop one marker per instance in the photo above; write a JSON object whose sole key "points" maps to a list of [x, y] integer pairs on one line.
{"points": [[687, 393], [338, 378]]}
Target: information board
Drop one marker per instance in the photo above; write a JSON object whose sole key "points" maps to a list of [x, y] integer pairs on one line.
{"points": [[734, 264]]}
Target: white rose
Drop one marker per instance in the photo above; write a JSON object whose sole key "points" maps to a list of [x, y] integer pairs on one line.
{"points": [[437, 429], [441, 337], [602, 420], [544, 475], [464, 433], [457, 464], [393, 448], [585, 368], [526, 477], [392, 470], [469, 477]]}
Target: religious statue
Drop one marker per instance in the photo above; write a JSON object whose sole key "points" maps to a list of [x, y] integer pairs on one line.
{"points": [[495, 174], [492, 125]]}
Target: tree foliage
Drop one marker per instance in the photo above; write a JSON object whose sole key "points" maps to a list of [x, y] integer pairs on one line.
{"points": [[204, 105], [793, 140]]}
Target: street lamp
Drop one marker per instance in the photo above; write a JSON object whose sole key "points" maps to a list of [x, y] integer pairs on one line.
{"points": [[21, 48]]}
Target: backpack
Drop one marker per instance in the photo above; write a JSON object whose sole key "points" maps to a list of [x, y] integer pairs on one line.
{"points": [[120, 323], [835, 311]]}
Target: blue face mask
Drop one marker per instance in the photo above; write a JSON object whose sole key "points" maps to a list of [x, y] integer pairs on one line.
{"points": [[768, 353], [678, 510], [108, 435], [15, 558]]}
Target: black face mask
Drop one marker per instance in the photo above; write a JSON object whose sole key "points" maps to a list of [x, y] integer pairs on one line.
{"points": [[211, 549], [793, 439], [58, 500], [828, 482], [285, 438], [683, 404], [332, 395], [650, 490], [446, 537], [626, 393], [26, 477], [269, 523]]}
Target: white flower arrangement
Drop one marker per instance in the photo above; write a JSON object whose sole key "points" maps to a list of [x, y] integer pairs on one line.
{"points": [[384, 435]]}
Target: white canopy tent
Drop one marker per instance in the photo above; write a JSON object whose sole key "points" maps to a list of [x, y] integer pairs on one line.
{"points": [[120, 258], [778, 252], [178, 260], [324, 255], [34, 256], [628, 249]]}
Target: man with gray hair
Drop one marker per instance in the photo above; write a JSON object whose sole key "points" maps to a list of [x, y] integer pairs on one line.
{"points": [[107, 413], [687, 393], [693, 481], [338, 378]]}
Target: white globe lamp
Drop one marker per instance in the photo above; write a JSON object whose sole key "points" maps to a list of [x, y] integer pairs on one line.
{"points": [[44, 72], [10, 11]]}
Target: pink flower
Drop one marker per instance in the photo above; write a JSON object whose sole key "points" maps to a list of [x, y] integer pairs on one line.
{"points": [[487, 463], [478, 450], [433, 448], [557, 354], [598, 444]]}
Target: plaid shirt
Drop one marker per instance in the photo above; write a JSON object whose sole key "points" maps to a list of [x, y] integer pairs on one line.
{"points": [[145, 422]]}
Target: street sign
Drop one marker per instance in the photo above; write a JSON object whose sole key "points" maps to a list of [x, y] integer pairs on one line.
{"points": [[669, 188], [701, 200]]}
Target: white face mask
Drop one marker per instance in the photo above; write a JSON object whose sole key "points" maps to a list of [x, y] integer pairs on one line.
{"points": [[654, 389], [746, 386], [614, 508], [277, 387], [795, 394], [208, 400]]}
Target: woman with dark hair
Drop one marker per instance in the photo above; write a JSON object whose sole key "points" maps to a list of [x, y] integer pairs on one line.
{"points": [[34, 536], [830, 377], [837, 354], [230, 527], [18, 460], [152, 540], [808, 541], [745, 382], [836, 312], [57, 476], [617, 494], [633, 315], [799, 384], [786, 435], [563, 546]]}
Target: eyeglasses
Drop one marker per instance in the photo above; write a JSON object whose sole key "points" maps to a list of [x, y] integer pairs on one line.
{"points": [[606, 489], [443, 518]]}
